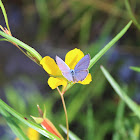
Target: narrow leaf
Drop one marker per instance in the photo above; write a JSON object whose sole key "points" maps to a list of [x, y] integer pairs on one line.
{"points": [[131, 14], [71, 134], [12, 124], [131, 104], [27, 122], [90, 127], [3, 39], [135, 68], [119, 126], [109, 45]]}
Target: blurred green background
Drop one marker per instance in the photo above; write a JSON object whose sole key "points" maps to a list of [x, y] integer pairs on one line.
{"points": [[53, 27]]}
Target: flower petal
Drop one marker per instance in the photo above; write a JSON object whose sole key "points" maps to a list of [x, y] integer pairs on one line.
{"points": [[50, 66], [55, 82], [87, 80], [73, 57], [32, 134]]}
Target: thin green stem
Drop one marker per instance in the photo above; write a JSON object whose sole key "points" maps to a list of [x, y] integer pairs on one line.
{"points": [[31, 50], [65, 110], [25, 53], [5, 15], [9, 33], [131, 14]]}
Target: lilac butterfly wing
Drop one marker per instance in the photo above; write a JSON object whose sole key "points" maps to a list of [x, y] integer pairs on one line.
{"points": [[83, 63], [64, 69], [81, 69], [80, 75]]}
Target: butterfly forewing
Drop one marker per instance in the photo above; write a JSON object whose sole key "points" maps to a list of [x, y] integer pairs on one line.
{"points": [[62, 65], [83, 63], [68, 76], [64, 68]]}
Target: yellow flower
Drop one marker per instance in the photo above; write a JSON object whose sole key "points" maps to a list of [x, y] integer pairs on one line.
{"points": [[56, 77], [32, 134]]}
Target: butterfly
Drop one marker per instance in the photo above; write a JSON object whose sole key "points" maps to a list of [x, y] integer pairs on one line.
{"points": [[80, 71]]}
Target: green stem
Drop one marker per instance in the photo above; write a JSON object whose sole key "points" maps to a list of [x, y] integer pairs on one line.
{"points": [[65, 110], [23, 45], [5, 15], [131, 14]]}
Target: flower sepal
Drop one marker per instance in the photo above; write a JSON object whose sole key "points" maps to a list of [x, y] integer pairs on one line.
{"points": [[46, 123], [38, 120]]}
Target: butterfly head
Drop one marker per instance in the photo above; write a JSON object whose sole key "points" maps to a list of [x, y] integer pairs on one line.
{"points": [[72, 72]]}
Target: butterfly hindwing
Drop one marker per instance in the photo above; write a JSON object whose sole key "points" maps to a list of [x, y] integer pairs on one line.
{"points": [[80, 75]]}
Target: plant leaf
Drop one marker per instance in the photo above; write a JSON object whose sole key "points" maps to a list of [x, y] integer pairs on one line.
{"points": [[119, 126], [12, 124], [90, 123], [28, 122], [71, 134], [135, 68], [131, 14], [131, 104], [109, 45], [3, 39]]}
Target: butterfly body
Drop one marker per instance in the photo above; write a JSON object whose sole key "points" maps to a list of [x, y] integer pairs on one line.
{"points": [[73, 75], [80, 71], [72, 72]]}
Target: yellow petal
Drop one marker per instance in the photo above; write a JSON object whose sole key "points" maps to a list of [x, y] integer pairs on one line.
{"points": [[73, 57], [87, 80], [50, 66], [55, 82], [32, 134]]}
